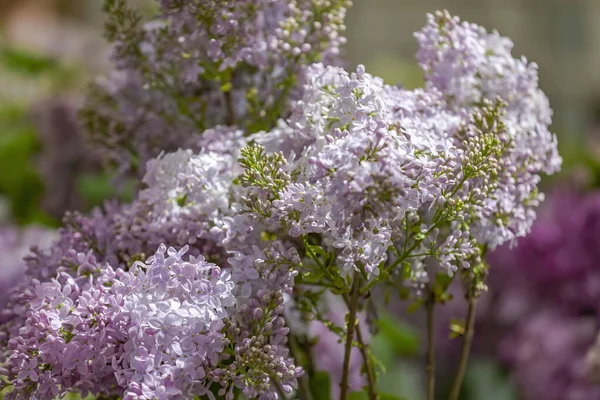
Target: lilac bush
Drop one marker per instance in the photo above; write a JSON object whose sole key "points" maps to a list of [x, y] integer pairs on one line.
{"points": [[271, 181], [558, 296]]}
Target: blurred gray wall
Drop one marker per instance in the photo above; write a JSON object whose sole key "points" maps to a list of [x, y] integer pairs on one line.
{"points": [[562, 36]]}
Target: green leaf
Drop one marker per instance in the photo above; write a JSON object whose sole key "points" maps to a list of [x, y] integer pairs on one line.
{"points": [[19, 180], [26, 63], [486, 379], [443, 280], [315, 249], [388, 396], [403, 337], [358, 396], [413, 307], [226, 87], [420, 236], [320, 386], [95, 189], [457, 328]]}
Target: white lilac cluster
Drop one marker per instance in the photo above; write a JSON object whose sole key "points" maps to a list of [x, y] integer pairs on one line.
{"points": [[390, 177], [188, 198], [469, 65], [199, 64], [163, 329]]}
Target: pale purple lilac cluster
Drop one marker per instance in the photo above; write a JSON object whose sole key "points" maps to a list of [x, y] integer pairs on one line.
{"points": [[202, 64], [162, 329], [372, 167], [344, 182]]}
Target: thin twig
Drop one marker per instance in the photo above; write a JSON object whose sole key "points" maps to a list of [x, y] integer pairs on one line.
{"points": [[371, 380], [349, 335], [230, 110], [364, 350], [430, 348], [466, 349]]}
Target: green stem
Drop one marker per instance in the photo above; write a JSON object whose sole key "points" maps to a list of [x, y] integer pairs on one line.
{"points": [[351, 324], [364, 350], [371, 379], [230, 110], [430, 348], [466, 349]]}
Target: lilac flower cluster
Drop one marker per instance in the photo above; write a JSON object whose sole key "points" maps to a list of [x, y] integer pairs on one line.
{"points": [[200, 64], [283, 181], [376, 167], [165, 328]]}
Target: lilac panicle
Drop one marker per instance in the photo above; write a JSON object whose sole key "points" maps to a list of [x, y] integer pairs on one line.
{"points": [[370, 167], [200, 64], [146, 333]]}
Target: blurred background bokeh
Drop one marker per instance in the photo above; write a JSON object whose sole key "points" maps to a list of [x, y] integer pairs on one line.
{"points": [[50, 49]]}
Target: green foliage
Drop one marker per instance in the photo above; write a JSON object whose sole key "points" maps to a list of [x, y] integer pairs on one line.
{"points": [[121, 21], [26, 63], [395, 347], [485, 379], [382, 396], [96, 188], [403, 337], [19, 180], [320, 386], [457, 328], [37, 70], [358, 396]]}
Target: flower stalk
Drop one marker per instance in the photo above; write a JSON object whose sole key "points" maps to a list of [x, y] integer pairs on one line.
{"points": [[431, 347], [350, 329], [466, 349]]}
